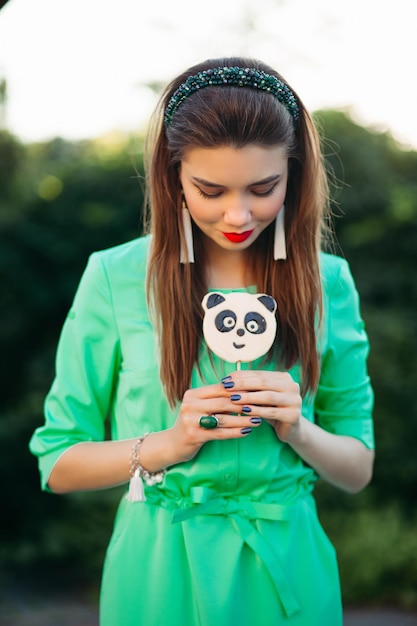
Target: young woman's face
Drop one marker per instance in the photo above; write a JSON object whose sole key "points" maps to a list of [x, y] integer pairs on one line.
{"points": [[233, 194]]}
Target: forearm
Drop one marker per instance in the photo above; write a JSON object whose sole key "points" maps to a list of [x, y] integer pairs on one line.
{"points": [[343, 461], [98, 465]]}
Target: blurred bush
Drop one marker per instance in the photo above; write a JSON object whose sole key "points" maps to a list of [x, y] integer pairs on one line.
{"points": [[60, 201], [374, 193]]}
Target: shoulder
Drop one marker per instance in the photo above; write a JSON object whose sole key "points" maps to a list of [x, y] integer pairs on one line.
{"points": [[116, 276], [121, 265], [118, 269], [341, 301], [128, 256], [335, 273], [331, 266]]}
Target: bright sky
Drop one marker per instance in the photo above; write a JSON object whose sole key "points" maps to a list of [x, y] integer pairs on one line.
{"points": [[78, 68]]}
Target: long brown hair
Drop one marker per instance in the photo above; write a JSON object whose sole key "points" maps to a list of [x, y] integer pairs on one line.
{"points": [[234, 116]]}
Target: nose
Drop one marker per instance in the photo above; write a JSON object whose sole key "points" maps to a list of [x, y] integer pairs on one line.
{"points": [[240, 332], [237, 213]]}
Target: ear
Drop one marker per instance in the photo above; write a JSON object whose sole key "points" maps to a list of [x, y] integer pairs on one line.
{"points": [[212, 299], [268, 302]]}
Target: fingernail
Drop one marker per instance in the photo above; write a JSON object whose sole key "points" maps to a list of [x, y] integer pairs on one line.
{"points": [[235, 396], [246, 409], [246, 431], [225, 379], [228, 384], [255, 420]]}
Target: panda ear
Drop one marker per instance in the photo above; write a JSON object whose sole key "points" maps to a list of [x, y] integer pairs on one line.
{"points": [[212, 299], [268, 302]]}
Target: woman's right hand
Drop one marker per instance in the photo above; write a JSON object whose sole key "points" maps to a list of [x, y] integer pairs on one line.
{"points": [[187, 434]]}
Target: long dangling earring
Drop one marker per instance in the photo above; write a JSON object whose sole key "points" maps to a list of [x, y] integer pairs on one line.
{"points": [[280, 250], [187, 250]]}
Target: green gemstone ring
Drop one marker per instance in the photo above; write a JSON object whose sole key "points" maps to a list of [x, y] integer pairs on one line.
{"points": [[209, 421]]}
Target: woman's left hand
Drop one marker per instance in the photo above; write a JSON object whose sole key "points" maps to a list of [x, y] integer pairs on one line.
{"points": [[273, 396]]}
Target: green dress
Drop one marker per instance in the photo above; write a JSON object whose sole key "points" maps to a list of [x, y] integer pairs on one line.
{"points": [[231, 537]]}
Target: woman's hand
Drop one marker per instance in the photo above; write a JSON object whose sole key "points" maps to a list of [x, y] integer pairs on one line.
{"points": [[273, 396], [235, 420]]}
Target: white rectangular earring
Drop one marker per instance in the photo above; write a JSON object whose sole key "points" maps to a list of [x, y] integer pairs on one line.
{"points": [[187, 250], [280, 250]]}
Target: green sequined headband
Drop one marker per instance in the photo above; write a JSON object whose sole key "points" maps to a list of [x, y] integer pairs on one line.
{"points": [[235, 77]]}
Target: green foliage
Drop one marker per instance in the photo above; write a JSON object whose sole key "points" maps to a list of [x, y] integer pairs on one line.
{"points": [[11, 155], [377, 197], [375, 205], [60, 201], [378, 557], [377, 551], [68, 200]]}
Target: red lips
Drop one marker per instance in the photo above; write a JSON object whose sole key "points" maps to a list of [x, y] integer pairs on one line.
{"points": [[238, 237]]}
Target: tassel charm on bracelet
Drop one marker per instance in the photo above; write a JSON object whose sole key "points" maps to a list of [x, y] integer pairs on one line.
{"points": [[138, 474]]}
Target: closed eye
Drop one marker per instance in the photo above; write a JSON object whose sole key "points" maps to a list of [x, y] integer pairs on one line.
{"points": [[215, 194], [263, 192]]}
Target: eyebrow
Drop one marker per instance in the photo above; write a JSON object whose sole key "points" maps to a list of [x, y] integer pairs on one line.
{"points": [[269, 179]]}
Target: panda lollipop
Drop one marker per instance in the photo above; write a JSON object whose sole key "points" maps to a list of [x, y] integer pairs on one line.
{"points": [[239, 327]]}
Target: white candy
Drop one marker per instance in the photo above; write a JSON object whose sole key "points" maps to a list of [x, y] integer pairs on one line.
{"points": [[239, 327]]}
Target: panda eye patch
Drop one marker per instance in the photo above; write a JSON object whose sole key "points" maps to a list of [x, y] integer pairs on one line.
{"points": [[255, 323], [225, 321]]}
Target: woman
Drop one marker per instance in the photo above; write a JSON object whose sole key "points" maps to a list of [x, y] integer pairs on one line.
{"points": [[226, 531]]}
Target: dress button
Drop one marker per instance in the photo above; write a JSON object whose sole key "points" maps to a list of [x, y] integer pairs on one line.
{"points": [[229, 478]]}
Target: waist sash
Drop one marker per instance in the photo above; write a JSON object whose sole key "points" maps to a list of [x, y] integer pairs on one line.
{"points": [[242, 511]]}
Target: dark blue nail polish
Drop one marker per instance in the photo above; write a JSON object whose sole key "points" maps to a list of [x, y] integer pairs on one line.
{"points": [[246, 431], [225, 379], [246, 409], [255, 420], [235, 396], [229, 384]]}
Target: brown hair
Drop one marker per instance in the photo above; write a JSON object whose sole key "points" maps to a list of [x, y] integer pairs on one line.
{"points": [[234, 116]]}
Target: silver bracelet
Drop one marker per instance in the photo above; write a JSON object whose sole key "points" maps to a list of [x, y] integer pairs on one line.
{"points": [[138, 473], [150, 478]]}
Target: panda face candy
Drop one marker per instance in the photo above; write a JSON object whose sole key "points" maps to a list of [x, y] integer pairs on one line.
{"points": [[239, 326]]}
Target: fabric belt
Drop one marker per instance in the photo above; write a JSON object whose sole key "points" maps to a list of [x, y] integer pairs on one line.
{"points": [[205, 501]]}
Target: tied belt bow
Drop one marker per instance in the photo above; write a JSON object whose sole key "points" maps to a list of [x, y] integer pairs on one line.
{"points": [[205, 501]]}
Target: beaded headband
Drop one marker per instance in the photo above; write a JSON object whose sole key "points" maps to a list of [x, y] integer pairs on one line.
{"points": [[235, 77]]}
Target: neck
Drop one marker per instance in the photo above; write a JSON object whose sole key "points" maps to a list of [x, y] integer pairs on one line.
{"points": [[228, 270]]}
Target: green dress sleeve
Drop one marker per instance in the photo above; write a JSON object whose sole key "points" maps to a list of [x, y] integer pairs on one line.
{"points": [[344, 400], [86, 365]]}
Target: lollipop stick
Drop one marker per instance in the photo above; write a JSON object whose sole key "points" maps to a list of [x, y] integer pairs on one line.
{"points": [[238, 368]]}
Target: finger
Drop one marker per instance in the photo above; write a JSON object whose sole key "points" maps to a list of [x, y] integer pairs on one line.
{"points": [[287, 414], [211, 406], [265, 399], [205, 392], [252, 380], [232, 427], [222, 434], [232, 433], [233, 421]]}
